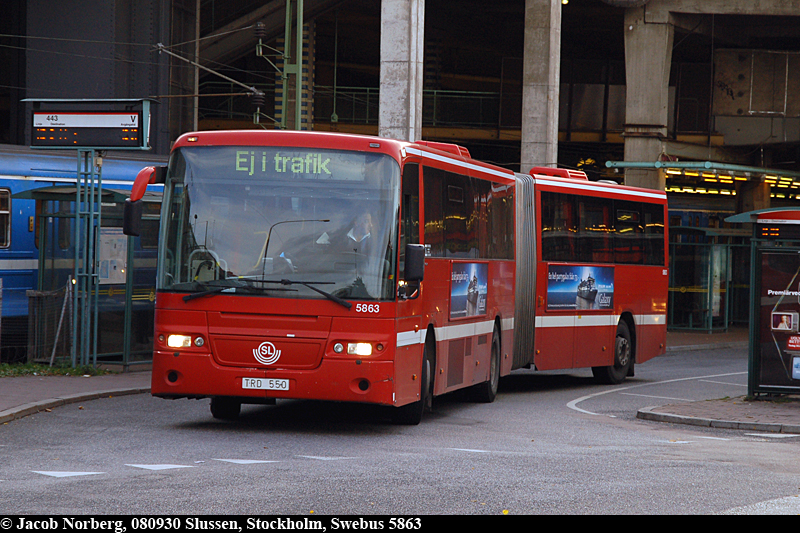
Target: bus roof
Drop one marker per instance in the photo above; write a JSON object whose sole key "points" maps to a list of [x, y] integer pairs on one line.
{"points": [[576, 185], [443, 152], [282, 138]]}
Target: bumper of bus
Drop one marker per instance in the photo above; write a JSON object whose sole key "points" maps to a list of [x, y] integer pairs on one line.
{"points": [[198, 376]]}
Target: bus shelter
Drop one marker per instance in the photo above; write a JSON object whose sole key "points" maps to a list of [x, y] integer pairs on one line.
{"points": [[114, 313], [774, 360]]}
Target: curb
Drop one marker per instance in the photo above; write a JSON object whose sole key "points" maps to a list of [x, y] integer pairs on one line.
{"points": [[648, 414], [20, 411], [717, 346]]}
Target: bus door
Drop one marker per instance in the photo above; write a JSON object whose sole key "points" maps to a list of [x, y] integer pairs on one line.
{"points": [[595, 324], [572, 334], [555, 321], [410, 330]]}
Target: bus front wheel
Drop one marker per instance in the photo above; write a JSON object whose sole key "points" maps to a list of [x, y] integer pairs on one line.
{"points": [[411, 414], [623, 359], [225, 408]]}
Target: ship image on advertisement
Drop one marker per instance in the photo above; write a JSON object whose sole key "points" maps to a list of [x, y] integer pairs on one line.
{"points": [[587, 289]]}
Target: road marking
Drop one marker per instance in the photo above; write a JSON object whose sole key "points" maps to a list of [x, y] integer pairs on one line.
{"points": [[574, 403], [712, 438], [725, 383], [65, 474], [773, 435], [656, 397], [780, 506], [159, 467], [468, 450], [319, 458], [243, 461]]}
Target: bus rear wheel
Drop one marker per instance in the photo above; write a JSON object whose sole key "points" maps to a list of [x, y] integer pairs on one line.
{"points": [[225, 408], [623, 359]]}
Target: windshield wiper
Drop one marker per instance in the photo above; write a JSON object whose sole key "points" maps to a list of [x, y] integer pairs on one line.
{"points": [[236, 283], [241, 283], [214, 289], [310, 285]]}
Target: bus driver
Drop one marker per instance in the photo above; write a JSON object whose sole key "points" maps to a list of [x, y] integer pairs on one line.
{"points": [[357, 238]]}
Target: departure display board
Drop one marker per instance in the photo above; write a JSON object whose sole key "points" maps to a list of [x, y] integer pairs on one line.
{"points": [[778, 229], [75, 129]]}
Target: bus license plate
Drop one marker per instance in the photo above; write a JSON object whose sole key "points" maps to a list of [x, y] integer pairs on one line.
{"points": [[265, 384]]}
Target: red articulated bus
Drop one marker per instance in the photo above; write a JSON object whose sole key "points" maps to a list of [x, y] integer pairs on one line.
{"points": [[360, 269]]}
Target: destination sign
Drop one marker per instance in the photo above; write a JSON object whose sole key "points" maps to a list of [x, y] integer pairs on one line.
{"points": [[309, 165], [87, 129]]}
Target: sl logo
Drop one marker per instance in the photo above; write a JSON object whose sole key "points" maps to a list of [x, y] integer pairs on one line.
{"points": [[266, 353]]}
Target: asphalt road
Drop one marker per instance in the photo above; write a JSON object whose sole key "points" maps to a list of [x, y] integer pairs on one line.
{"points": [[551, 443]]}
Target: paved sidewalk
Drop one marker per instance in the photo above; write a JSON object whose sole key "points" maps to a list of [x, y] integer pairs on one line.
{"points": [[769, 416], [25, 395], [781, 415], [21, 396]]}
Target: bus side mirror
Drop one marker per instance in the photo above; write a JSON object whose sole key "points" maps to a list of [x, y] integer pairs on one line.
{"points": [[132, 211], [132, 217], [415, 262]]}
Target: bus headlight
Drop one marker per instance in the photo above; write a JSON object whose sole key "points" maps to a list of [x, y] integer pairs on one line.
{"points": [[359, 348], [362, 349], [179, 341]]}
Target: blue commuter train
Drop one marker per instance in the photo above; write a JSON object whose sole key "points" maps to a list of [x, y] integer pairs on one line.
{"points": [[25, 169]]}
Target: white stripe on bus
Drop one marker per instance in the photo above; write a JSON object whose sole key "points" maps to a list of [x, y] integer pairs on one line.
{"points": [[457, 331], [444, 159], [566, 321], [463, 331]]}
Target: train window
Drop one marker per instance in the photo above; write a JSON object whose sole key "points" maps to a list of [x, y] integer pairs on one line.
{"points": [[5, 218], [64, 222]]}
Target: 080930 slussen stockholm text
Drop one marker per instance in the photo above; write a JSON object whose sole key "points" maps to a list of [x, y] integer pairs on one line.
{"points": [[239, 524]]}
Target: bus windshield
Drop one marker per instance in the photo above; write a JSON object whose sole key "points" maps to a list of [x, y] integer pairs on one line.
{"points": [[280, 222]]}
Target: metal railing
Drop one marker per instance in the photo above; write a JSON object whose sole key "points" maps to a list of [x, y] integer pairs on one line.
{"points": [[359, 105]]}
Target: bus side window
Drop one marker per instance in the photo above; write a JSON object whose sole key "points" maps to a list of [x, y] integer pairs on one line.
{"points": [[558, 227], [595, 231], [409, 227], [459, 228], [433, 183], [500, 223], [481, 191], [653, 234], [628, 246]]}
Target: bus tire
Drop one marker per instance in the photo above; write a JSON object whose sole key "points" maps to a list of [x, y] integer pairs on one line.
{"points": [[225, 408], [623, 358], [411, 414], [486, 392]]}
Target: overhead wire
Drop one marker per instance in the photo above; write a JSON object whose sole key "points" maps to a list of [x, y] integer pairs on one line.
{"points": [[150, 47]]}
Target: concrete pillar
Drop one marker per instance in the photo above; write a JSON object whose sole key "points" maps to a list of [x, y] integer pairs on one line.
{"points": [[540, 84], [402, 44], [648, 56], [752, 196]]}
